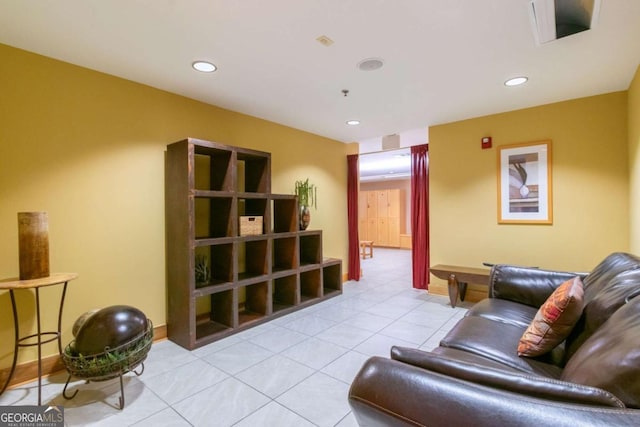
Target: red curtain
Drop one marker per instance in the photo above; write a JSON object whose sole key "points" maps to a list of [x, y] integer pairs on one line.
{"points": [[353, 183], [420, 215]]}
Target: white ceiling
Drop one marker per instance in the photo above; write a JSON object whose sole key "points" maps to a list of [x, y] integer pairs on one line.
{"points": [[385, 165], [444, 60]]}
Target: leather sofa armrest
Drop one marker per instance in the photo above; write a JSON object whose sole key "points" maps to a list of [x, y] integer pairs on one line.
{"points": [[525, 285], [536, 386], [391, 393]]}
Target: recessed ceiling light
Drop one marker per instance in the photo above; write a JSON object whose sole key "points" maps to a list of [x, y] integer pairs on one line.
{"points": [[204, 66], [353, 122], [370, 64], [516, 81]]}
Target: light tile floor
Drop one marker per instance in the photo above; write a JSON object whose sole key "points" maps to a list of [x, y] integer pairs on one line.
{"points": [[292, 371]]}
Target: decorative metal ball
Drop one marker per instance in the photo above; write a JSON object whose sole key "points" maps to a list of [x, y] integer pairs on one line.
{"points": [[109, 327], [80, 321]]}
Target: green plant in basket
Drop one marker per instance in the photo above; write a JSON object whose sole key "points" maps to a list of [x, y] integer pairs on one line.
{"points": [[112, 361]]}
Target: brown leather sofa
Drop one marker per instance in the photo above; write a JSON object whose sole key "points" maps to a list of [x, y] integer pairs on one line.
{"points": [[475, 377]]}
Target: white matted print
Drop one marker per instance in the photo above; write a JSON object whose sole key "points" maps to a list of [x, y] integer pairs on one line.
{"points": [[524, 183]]}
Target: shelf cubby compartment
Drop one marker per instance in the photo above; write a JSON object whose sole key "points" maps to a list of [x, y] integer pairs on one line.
{"points": [[285, 214], [253, 206], [253, 171], [310, 285], [285, 292], [252, 257], [213, 217], [310, 248], [253, 302], [331, 276], [212, 168], [285, 253], [219, 259], [214, 314]]}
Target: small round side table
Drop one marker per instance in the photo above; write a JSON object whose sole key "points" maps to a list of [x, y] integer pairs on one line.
{"points": [[41, 337]]}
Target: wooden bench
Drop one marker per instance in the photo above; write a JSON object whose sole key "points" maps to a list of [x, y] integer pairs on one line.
{"points": [[457, 278], [364, 244]]}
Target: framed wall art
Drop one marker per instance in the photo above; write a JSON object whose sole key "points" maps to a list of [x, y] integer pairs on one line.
{"points": [[524, 183]]}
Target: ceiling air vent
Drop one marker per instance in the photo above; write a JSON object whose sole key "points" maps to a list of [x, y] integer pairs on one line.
{"points": [[391, 142], [554, 19]]}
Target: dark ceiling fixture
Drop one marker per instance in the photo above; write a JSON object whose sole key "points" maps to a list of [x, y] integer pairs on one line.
{"points": [[554, 19]]}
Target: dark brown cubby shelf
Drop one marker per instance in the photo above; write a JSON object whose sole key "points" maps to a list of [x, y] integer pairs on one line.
{"points": [[252, 258], [310, 248], [219, 316], [285, 251], [310, 284], [209, 328], [285, 214], [220, 261], [213, 217], [331, 276], [212, 168], [256, 302], [253, 278], [285, 292], [254, 172], [254, 206]]}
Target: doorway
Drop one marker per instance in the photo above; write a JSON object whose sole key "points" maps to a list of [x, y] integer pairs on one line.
{"points": [[384, 202]]}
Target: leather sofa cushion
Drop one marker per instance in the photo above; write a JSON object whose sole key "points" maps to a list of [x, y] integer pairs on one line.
{"points": [[498, 341], [610, 358], [505, 378], [505, 311], [601, 276], [530, 286], [463, 356], [602, 306], [554, 320]]}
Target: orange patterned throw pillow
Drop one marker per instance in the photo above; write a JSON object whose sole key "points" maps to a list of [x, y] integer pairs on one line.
{"points": [[554, 320]]}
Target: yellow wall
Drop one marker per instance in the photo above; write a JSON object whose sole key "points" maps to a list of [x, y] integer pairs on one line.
{"points": [[634, 161], [590, 187], [88, 148]]}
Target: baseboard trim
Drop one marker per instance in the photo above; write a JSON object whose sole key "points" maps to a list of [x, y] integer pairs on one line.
{"points": [[28, 371]]}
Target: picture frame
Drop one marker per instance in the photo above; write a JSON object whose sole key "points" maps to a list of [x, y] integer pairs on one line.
{"points": [[524, 183]]}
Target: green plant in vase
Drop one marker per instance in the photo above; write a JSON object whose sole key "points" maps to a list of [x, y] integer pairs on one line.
{"points": [[307, 197]]}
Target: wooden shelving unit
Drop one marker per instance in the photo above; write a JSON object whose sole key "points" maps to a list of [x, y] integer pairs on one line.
{"points": [[252, 278]]}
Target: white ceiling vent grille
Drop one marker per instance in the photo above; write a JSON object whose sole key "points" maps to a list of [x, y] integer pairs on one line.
{"points": [[391, 142], [554, 19]]}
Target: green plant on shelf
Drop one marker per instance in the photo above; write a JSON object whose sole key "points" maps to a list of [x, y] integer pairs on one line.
{"points": [[307, 193], [203, 272]]}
